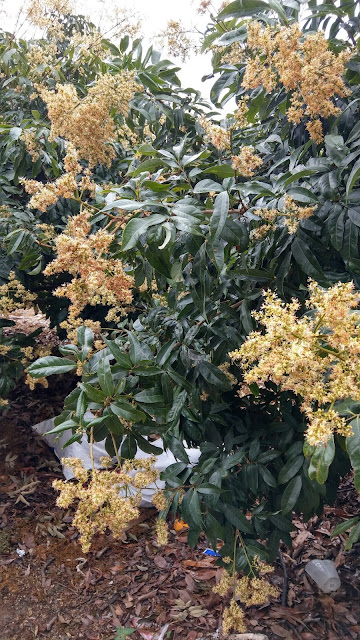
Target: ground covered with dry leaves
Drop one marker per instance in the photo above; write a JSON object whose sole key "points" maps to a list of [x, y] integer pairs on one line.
{"points": [[50, 590]]}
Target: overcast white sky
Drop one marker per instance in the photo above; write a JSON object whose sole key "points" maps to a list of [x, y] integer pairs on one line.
{"points": [[154, 15]]}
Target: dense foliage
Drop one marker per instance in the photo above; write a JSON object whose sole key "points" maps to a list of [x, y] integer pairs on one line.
{"points": [[183, 227]]}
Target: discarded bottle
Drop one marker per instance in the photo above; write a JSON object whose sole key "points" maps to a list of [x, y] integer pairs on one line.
{"points": [[324, 573]]}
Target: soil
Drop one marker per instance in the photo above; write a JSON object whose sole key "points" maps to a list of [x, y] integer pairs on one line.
{"points": [[50, 590]]}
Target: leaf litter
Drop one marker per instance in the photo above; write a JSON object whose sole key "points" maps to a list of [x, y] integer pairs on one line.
{"points": [[51, 591]]}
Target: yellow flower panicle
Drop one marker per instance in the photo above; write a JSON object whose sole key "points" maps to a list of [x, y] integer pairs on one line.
{"points": [[45, 195], [291, 215], [97, 279], [246, 162], [107, 499], [217, 135], [88, 123], [162, 532], [233, 618], [14, 296], [318, 358], [31, 143], [303, 65]]}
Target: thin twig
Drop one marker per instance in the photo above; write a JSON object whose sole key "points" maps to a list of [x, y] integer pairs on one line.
{"points": [[285, 582]]}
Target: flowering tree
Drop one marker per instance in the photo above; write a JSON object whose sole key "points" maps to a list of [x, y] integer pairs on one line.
{"points": [[206, 272]]}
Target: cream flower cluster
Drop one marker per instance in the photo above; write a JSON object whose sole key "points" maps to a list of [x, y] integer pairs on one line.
{"points": [[246, 162], [217, 135], [303, 65], [291, 215], [250, 590], [97, 279], [45, 195], [88, 123], [14, 296], [316, 356], [107, 499]]}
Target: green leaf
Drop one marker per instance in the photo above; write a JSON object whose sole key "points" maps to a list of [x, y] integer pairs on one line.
{"points": [[139, 351], [148, 165], [290, 469], [237, 518], [105, 376], [64, 426], [50, 365], [353, 178], [165, 351], [123, 409], [146, 446], [119, 354], [123, 632], [291, 494], [204, 186], [85, 338], [306, 260], [219, 216], [344, 526], [195, 510], [354, 536], [221, 170], [321, 461], [177, 406], [95, 395], [136, 227], [353, 449], [214, 376], [267, 476], [300, 194], [149, 396]]}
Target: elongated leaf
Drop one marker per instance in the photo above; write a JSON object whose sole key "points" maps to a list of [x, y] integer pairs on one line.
{"points": [[219, 216], [291, 494], [138, 350], [353, 178], [321, 461], [49, 365], [119, 353], [306, 260], [353, 449], [214, 376], [136, 227], [290, 469], [105, 376], [124, 409], [237, 518]]}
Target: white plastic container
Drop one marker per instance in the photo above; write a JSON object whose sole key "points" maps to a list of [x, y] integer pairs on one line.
{"points": [[324, 573]]}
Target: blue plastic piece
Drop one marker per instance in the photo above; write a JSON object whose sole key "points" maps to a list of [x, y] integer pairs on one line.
{"points": [[210, 552]]}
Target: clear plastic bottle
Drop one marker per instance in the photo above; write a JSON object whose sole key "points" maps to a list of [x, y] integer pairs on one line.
{"points": [[324, 573]]}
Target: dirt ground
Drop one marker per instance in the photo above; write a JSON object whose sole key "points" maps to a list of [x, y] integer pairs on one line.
{"points": [[50, 590]]}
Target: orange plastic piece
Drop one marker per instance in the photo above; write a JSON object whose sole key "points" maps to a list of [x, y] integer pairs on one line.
{"points": [[179, 525]]}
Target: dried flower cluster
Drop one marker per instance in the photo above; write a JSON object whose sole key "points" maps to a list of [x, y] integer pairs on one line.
{"points": [[291, 215], [316, 356], [246, 162], [88, 123], [97, 279], [108, 499], [303, 65], [13, 296]]}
